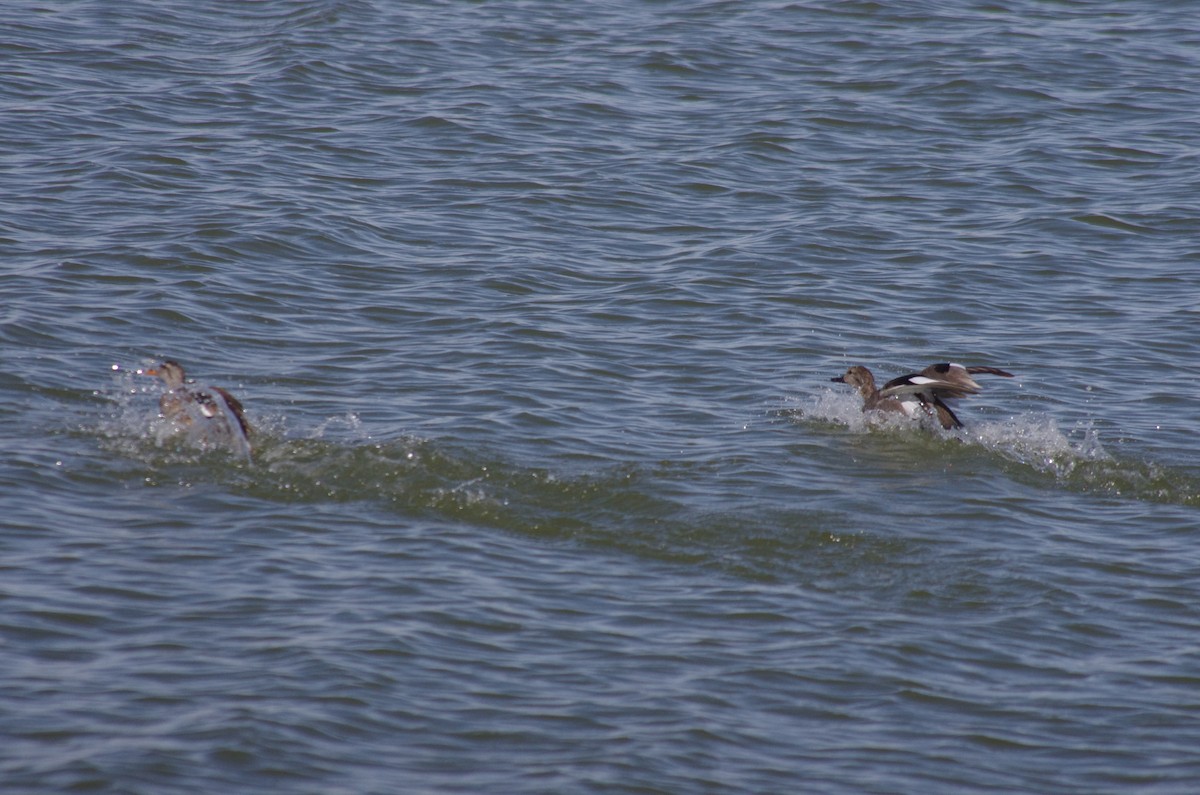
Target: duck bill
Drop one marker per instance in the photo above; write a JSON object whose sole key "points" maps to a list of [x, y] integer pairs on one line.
{"points": [[841, 379]]}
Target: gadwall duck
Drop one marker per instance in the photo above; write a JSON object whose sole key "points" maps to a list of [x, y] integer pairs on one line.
{"points": [[208, 414], [919, 394]]}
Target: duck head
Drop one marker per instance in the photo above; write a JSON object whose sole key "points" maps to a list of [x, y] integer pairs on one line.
{"points": [[170, 372], [858, 377]]}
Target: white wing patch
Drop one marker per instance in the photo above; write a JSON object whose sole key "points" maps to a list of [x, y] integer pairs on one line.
{"points": [[919, 384]]}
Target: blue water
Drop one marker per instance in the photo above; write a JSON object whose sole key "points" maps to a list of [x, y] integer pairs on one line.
{"points": [[534, 308]]}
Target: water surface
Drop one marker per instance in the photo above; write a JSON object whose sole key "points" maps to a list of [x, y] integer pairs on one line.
{"points": [[534, 310]]}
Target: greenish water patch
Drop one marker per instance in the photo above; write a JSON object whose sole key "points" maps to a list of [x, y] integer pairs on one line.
{"points": [[621, 508], [1029, 448]]}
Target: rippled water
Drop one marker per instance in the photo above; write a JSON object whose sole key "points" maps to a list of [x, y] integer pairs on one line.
{"points": [[533, 308]]}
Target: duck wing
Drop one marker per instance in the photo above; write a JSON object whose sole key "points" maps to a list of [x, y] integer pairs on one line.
{"points": [[951, 371], [235, 407], [945, 416], [919, 384], [989, 371]]}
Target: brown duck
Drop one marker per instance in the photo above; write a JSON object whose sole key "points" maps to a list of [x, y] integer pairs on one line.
{"points": [[919, 394], [208, 414]]}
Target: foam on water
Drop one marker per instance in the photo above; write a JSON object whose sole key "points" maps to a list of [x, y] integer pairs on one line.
{"points": [[1038, 442], [1026, 445]]}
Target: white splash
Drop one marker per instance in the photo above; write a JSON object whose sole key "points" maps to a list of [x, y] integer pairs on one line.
{"points": [[1032, 440], [1037, 441]]}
